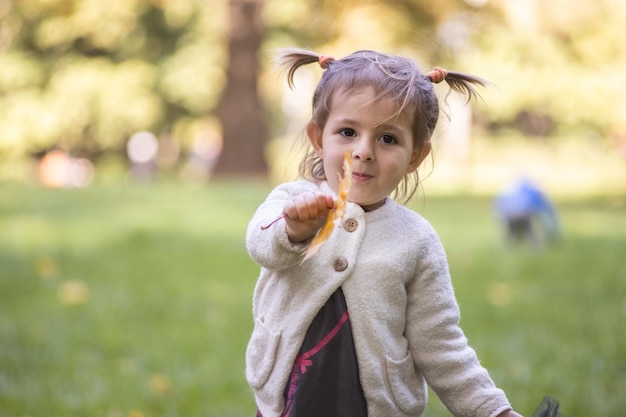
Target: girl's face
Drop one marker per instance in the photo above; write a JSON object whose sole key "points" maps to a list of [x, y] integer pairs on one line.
{"points": [[381, 146]]}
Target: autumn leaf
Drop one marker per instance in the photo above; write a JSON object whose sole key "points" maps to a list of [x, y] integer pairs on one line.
{"points": [[160, 384], [73, 293], [335, 216]]}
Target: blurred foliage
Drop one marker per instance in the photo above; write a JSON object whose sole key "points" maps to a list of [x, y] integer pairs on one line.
{"points": [[84, 75], [560, 63]]}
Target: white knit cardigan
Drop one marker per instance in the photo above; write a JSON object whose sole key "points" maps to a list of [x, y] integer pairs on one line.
{"points": [[404, 316]]}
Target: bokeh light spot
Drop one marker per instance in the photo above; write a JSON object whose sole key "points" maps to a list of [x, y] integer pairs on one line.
{"points": [[142, 147]]}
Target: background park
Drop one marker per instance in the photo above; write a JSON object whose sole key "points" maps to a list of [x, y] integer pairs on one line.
{"points": [[137, 137]]}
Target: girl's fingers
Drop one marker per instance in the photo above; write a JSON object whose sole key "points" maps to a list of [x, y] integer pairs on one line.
{"points": [[308, 206], [322, 204], [330, 201], [308, 209], [297, 209]]}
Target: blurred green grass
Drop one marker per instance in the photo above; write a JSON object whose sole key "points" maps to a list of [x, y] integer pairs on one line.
{"points": [[134, 301]]}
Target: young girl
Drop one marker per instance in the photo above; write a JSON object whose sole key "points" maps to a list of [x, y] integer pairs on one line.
{"points": [[361, 327]]}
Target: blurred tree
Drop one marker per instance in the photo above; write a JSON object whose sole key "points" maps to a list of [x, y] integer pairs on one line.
{"points": [[85, 75], [558, 68], [240, 110]]}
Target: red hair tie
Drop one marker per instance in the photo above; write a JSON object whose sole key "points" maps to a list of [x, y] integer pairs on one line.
{"points": [[325, 60], [437, 75]]}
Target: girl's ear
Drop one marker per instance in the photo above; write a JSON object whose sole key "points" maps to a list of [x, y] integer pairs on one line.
{"points": [[418, 156], [314, 133]]}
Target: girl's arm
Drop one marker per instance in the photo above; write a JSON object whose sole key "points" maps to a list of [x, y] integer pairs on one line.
{"points": [[439, 346]]}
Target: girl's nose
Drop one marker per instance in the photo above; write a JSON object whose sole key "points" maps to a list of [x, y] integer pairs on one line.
{"points": [[363, 151]]}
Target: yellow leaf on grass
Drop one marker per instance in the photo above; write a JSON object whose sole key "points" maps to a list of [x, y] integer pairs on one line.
{"points": [[335, 216], [73, 293], [159, 384], [47, 267]]}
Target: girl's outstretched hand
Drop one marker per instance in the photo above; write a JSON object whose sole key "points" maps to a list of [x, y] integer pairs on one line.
{"points": [[306, 214]]}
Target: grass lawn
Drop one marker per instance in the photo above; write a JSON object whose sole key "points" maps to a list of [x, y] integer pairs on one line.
{"points": [[134, 301]]}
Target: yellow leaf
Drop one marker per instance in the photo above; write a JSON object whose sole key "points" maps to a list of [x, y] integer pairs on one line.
{"points": [[47, 267], [159, 384], [335, 216], [73, 292]]}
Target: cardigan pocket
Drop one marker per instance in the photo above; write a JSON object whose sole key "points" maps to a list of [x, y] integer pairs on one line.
{"points": [[409, 391], [261, 354]]}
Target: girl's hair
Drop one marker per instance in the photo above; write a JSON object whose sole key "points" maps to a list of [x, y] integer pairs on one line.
{"points": [[392, 77]]}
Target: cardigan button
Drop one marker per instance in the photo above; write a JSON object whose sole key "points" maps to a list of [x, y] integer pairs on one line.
{"points": [[351, 225], [340, 264]]}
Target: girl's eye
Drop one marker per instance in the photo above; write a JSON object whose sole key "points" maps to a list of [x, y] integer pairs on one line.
{"points": [[388, 139], [347, 132]]}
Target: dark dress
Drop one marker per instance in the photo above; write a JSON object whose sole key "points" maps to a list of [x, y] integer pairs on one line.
{"points": [[325, 378]]}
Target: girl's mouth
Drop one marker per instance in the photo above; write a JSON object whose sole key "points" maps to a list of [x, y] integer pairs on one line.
{"points": [[359, 176]]}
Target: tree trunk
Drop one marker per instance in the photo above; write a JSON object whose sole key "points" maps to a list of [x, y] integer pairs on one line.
{"points": [[240, 109]]}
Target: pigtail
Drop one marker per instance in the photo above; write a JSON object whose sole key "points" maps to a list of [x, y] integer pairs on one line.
{"points": [[290, 59], [458, 81], [465, 84]]}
